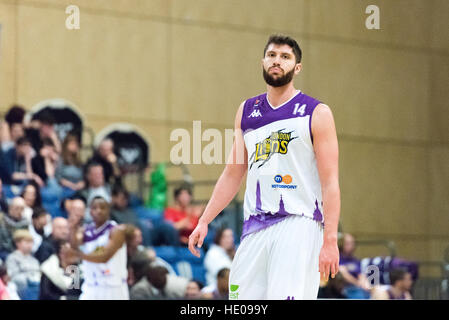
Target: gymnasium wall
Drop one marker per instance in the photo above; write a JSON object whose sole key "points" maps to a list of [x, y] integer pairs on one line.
{"points": [[160, 64]]}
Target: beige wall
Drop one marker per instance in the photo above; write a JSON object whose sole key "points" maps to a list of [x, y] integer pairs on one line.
{"points": [[160, 64]]}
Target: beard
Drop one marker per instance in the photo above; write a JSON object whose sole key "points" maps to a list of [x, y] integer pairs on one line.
{"points": [[280, 81]]}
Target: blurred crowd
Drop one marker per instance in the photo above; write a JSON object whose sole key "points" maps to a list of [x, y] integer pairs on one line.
{"points": [[45, 186]]}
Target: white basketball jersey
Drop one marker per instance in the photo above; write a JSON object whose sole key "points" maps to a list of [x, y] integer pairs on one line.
{"points": [[282, 177], [111, 273]]}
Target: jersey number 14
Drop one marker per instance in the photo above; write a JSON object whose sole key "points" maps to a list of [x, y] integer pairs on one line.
{"points": [[301, 110]]}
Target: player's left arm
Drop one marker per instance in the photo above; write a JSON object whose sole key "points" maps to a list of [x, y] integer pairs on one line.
{"points": [[325, 145], [116, 241]]}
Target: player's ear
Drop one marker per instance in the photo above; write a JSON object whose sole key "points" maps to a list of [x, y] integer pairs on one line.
{"points": [[298, 68]]}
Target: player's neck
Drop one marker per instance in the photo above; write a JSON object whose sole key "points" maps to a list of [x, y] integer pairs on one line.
{"points": [[279, 95]]}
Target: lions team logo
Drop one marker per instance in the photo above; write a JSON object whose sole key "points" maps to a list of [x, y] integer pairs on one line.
{"points": [[277, 142]]}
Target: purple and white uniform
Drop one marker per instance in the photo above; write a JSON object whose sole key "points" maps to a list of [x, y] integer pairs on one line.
{"points": [[103, 281], [283, 220]]}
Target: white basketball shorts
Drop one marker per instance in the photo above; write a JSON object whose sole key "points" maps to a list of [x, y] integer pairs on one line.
{"points": [[104, 292], [279, 262]]}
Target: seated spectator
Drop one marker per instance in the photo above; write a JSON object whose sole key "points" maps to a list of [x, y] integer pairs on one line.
{"points": [[399, 289], [8, 290], [95, 187], [9, 223], [6, 243], [3, 200], [357, 285], [16, 164], [193, 291], [183, 216], [23, 268], [33, 200], [43, 128], [106, 157], [76, 208], [140, 287], [57, 282], [220, 290], [15, 218], [170, 286], [60, 232], [45, 162], [36, 228], [69, 171], [32, 196], [133, 242], [121, 212], [220, 254], [12, 128]]}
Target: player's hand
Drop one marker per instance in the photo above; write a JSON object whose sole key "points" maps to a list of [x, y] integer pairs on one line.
{"points": [[329, 260], [69, 253], [196, 238]]}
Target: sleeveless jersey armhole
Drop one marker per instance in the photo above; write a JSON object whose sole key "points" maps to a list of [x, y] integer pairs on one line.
{"points": [[310, 121]]}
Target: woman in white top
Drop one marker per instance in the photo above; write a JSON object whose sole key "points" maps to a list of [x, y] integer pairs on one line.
{"points": [[220, 254]]}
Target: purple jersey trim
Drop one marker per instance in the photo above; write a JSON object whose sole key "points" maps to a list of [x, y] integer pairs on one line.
{"points": [[91, 233], [310, 122], [257, 112]]}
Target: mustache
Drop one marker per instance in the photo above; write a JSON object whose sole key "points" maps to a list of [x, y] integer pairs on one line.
{"points": [[276, 67]]}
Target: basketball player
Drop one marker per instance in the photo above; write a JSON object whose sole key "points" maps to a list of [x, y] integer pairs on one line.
{"points": [[102, 248], [291, 161]]}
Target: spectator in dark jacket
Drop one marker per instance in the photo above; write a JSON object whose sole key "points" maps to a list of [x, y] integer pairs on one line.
{"points": [[16, 164], [60, 276], [60, 232], [3, 202]]}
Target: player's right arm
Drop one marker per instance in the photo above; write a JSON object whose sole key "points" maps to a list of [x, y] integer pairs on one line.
{"points": [[226, 187]]}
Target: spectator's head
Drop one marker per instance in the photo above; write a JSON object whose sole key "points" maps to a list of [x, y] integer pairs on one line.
{"points": [[60, 229], [105, 148], [47, 121], [76, 208], [95, 175], [32, 195], [193, 290], [71, 150], [183, 196], [120, 198], [140, 265], [401, 279], [64, 260], [39, 219], [23, 146], [99, 210], [157, 276], [347, 245], [15, 114], [23, 241], [48, 148], [223, 281], [16, 207], [224, 238], [14, 118]]}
